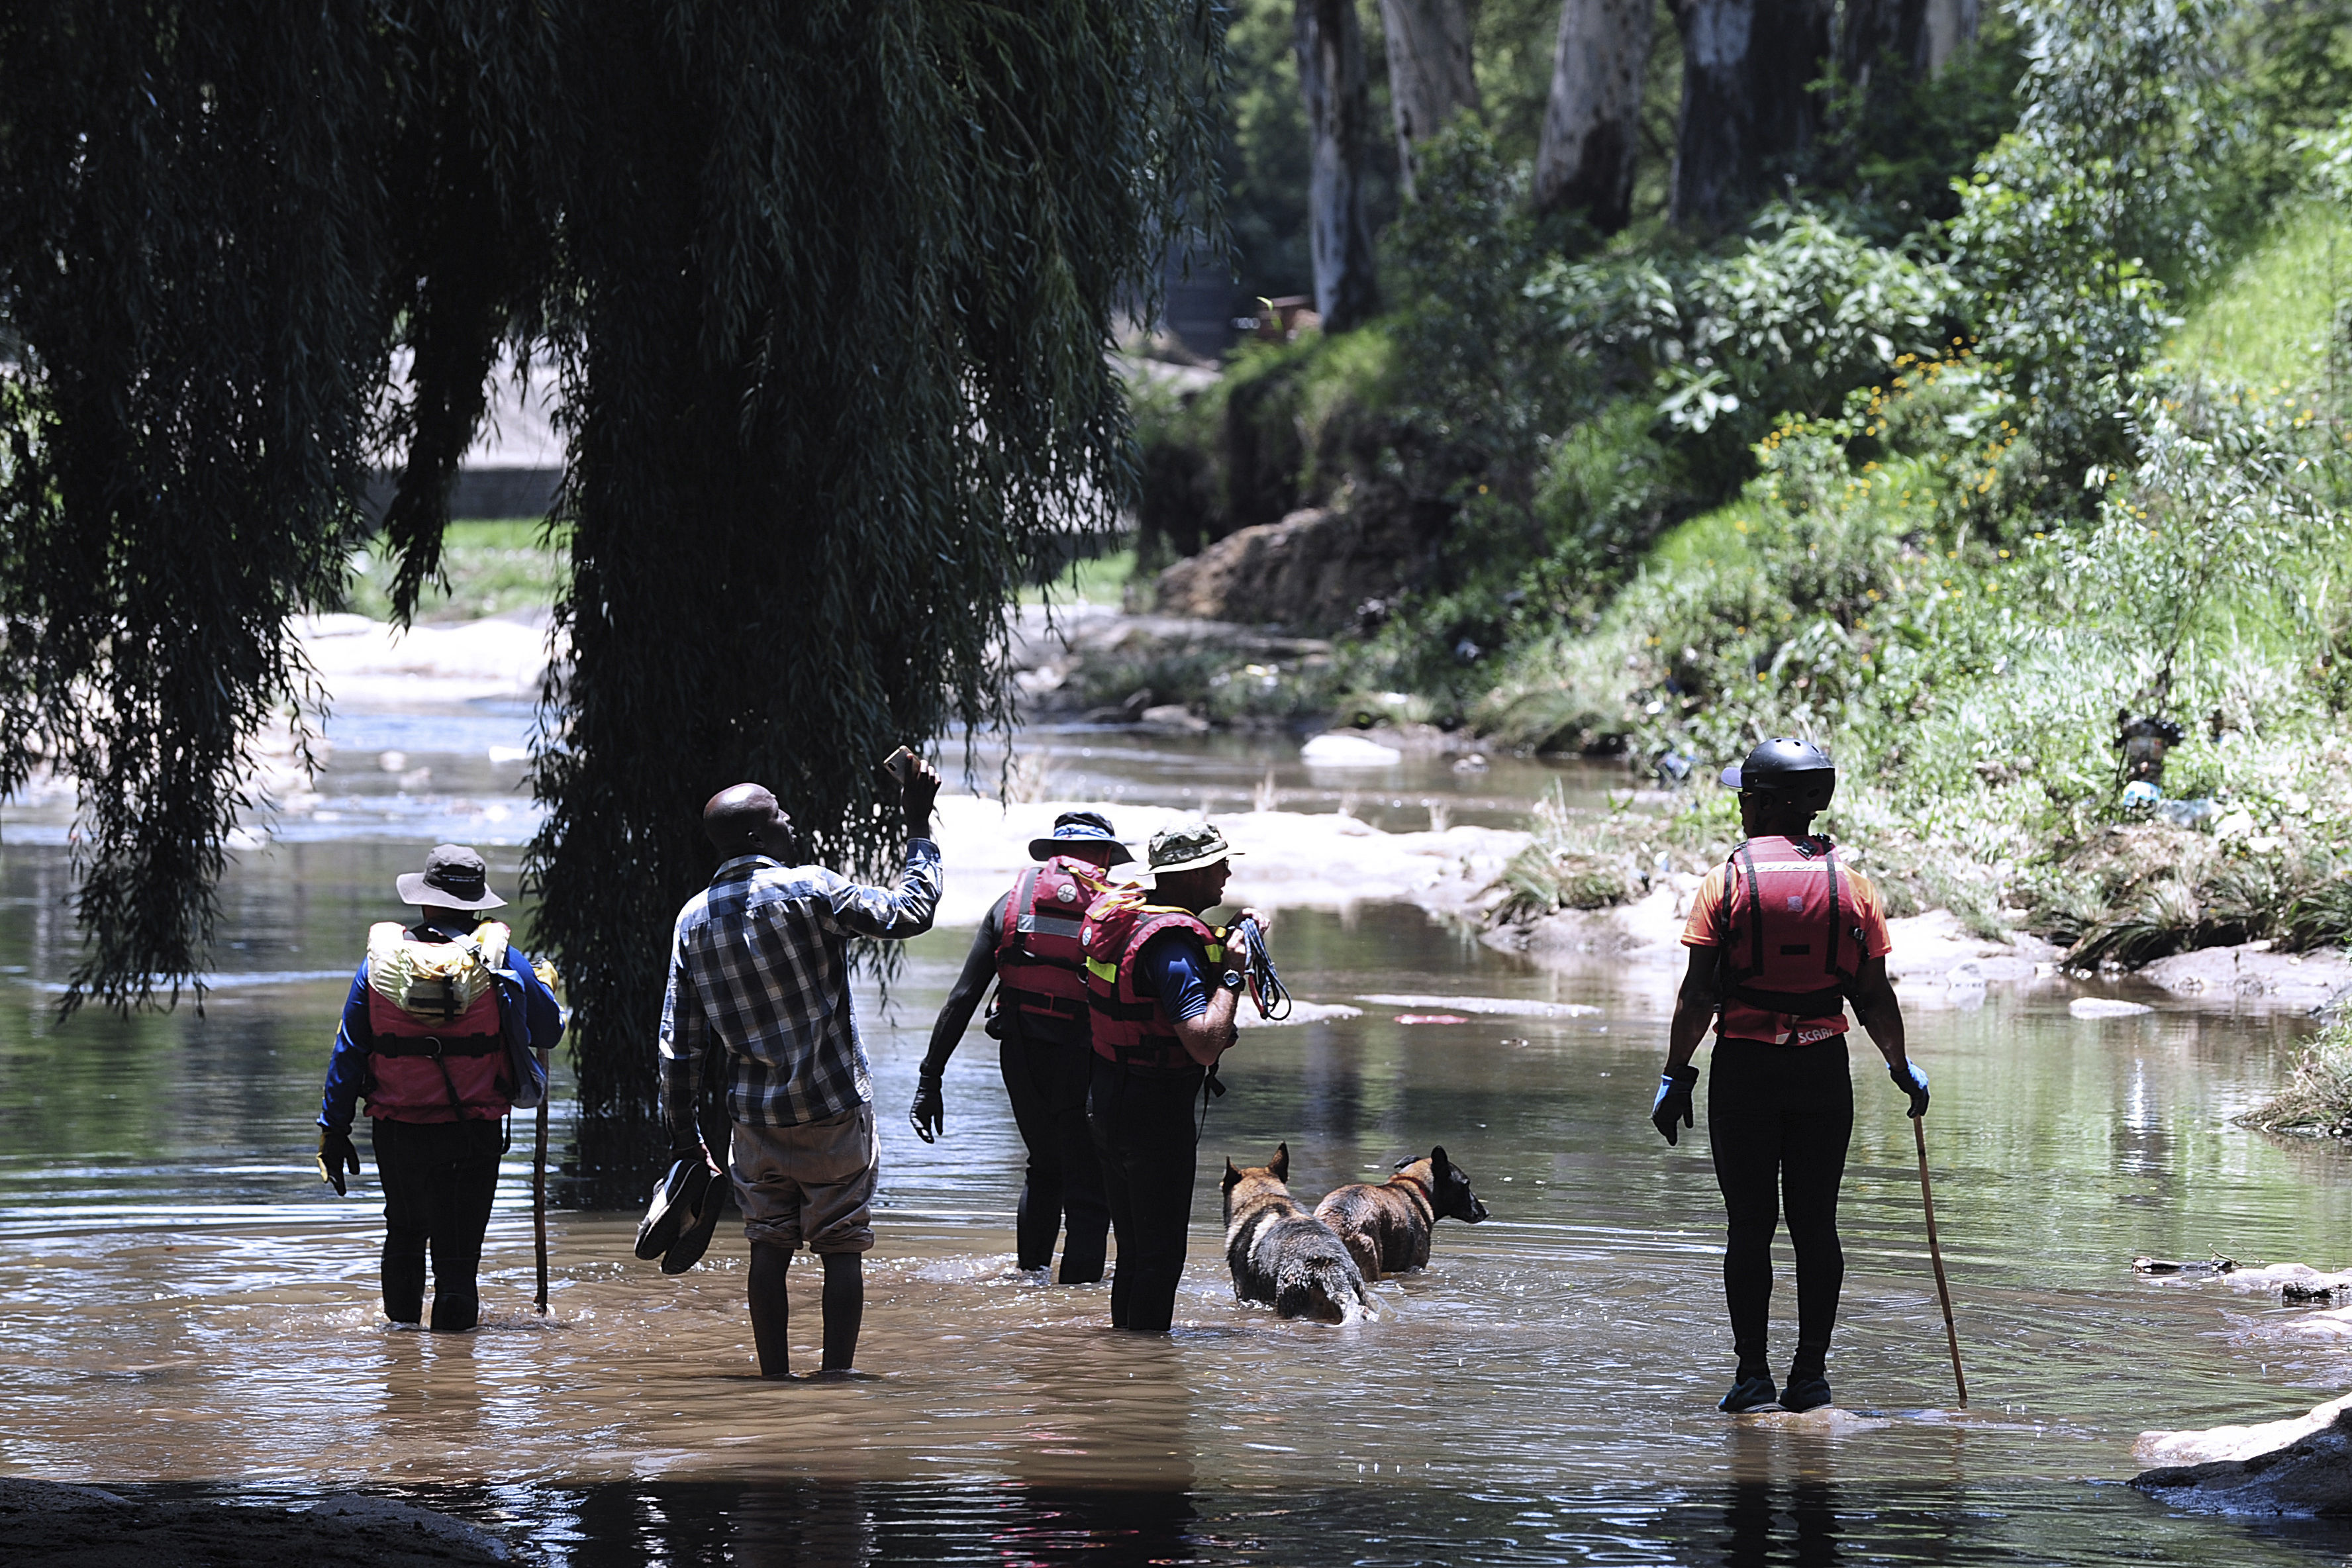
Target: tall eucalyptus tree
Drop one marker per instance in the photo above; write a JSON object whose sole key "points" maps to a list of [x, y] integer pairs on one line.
{"points": [[1330, 44], [1592, 117], [1748, 70], [1431, 78]]}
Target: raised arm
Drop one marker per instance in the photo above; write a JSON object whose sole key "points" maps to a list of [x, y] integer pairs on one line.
{"points": [[963, 998]]}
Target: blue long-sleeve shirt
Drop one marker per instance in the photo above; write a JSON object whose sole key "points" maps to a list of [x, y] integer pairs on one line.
{"points": [[535, 1026]]}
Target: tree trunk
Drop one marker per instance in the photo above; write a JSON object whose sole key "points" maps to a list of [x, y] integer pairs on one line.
{"points": [[1592, 124], [1430, 76], [1950, 24], [1746, 65], [1338, 113], [1886, 45]]}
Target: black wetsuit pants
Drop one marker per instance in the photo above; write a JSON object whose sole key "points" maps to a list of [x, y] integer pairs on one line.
{"points": [[1047, 1083], [1147, 1141], [1778, 1120], [438, 1179]]}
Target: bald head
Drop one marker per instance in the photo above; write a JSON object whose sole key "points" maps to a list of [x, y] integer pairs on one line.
{"points": [[744, 819]]}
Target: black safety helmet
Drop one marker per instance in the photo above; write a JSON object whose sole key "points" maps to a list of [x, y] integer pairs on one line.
{"points": [[1798, 770]]}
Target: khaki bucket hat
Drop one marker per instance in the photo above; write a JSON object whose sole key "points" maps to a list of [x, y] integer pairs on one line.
{"points": [[1189, 849]]}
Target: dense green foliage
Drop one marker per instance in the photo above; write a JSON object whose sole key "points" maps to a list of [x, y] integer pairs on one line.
{"points": [[2027, 406], [826, 289]]}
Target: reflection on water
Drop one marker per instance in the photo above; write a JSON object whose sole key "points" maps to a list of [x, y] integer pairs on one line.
{"points": [[181, 1302]]}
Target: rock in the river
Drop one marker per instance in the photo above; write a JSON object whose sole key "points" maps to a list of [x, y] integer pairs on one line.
{"points": [[48, 1523], [2253, 974], [2308, 1476], [1338, 750], [2106, 1008]]}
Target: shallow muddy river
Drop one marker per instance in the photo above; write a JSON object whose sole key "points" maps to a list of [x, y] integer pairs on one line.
{"points": [[182, 1303]]}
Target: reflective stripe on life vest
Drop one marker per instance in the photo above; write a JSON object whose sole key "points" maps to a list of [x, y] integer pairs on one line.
{"points": [[1040, 961], [1124, 1024], [1788, 941], [439, 1052]]}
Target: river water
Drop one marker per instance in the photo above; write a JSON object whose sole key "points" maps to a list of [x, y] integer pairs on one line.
{"points": [[182, 1304]]}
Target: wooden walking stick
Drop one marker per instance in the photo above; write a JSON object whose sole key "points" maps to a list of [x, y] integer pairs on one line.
{"points": [[547, 977], [539, 1203], [1935, 1255]]}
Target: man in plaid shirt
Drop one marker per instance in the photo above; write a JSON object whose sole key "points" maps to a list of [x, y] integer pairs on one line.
{"points": [[758, 969]]}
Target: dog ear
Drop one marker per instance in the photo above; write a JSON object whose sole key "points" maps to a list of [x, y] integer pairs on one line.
{"points": [[1437, 1162], [1280, 1166], [1232, 1177]]}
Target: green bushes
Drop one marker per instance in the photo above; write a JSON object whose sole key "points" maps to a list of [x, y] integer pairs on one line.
{"points": [[1287, 426]]}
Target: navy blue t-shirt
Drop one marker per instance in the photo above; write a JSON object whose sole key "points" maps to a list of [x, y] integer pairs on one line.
{"points": [[1174, 967]]}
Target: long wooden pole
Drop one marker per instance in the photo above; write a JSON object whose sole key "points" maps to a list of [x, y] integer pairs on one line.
{"points": [[1936, 1254], [539, 1203]]}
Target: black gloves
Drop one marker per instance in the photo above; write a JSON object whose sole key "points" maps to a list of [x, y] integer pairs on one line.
{"points": [[335, 1156], [1912, 1079], [1674, 1102], [929, 1114]]}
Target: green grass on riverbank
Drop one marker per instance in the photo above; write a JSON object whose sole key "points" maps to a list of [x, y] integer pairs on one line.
{"points": [[491, 568], [1899, 583], [496, 567], [1091, 580]]}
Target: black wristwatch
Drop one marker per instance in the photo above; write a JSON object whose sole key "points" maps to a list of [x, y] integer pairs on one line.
{"points": [[1231, 980]]}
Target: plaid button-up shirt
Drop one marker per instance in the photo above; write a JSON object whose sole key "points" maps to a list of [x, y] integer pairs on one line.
{"points": [[759, 969]]}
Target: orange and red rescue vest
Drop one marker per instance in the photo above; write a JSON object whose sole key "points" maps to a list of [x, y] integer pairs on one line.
{"points": [[1041, 963], [1791, 942], [1129, 1025]]}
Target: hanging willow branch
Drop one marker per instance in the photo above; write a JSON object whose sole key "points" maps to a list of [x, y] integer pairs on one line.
{"points": [[889, 241], [828, 287]]}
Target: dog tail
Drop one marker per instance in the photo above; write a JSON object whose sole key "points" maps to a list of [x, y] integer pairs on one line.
{"points": [[1325, 1289]]}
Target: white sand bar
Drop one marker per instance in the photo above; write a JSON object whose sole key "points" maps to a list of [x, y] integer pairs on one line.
{"points": [[1288, 859], [1500, 1006]]}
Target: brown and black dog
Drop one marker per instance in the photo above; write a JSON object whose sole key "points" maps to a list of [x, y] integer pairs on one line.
{"points": [[1386, 1227], [1281, 1255]]}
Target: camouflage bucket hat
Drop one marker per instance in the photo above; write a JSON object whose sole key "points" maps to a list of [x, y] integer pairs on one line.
{"points": [[1189, 849]]}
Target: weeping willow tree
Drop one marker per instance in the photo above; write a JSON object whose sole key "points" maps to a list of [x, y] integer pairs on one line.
{"points": [[827, 288]]}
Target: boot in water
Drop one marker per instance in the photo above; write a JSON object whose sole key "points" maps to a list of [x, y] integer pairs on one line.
{"points": [[1752, 1392], [1809, 1386]]}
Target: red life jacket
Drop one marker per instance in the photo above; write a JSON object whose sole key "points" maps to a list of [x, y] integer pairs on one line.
{"points": [[439, 1052], [1790, 942], [1040, 962], [1128, 1026]]}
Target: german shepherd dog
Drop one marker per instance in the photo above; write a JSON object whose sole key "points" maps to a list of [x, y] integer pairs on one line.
{"points": [[1386, 1227], [1283, 1255]]}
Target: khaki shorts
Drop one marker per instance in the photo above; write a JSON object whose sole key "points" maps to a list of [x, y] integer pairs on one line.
{"points": [[812, 1183]]}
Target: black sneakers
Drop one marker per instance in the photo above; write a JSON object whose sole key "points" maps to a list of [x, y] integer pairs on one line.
{"points": [[1752, 1392], [1806, 1390]]}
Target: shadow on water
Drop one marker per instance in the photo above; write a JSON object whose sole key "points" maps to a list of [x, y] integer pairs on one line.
{"points": [[1798, 1522]]}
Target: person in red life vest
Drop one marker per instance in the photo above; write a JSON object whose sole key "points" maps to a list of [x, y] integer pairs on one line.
{"points": [[446, 1029], [1161, 989], [759, 999], [1029, 946], [1782, 935]]}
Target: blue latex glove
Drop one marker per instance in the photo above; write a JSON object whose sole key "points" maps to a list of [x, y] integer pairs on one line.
{"points": [[1674, 1102], [1912, 1079]]}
